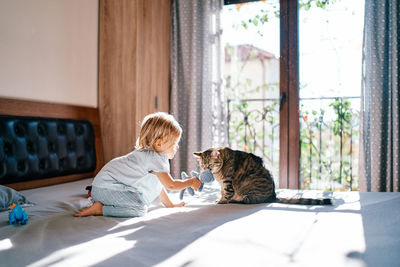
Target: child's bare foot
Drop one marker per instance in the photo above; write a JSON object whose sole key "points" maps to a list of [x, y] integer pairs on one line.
{"points": [[95, 209], [180, 204]]}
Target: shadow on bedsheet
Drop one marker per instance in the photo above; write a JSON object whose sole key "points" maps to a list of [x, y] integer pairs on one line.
{"points": [[64, 239], [160, 239], [150, 241], [380, 214]]}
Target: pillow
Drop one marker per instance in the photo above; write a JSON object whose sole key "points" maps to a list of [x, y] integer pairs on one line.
{"points": [[9, 196]]}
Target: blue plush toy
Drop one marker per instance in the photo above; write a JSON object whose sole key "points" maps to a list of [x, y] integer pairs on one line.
{"points": [[17, 214], [205, 177]]}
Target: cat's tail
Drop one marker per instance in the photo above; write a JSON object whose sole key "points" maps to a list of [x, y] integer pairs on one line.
{"points": [[305, 201]]}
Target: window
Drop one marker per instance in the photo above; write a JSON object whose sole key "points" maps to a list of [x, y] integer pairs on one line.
{"points": [[330, 86], [280, 56]]}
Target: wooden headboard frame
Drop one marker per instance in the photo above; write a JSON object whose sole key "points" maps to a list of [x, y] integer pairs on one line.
{"points": [[52, 110]]}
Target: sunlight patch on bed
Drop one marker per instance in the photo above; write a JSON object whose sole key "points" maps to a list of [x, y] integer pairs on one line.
{"points": [[5, 244], [153, 216], [280, 241], [219, 246], [84, 255]]}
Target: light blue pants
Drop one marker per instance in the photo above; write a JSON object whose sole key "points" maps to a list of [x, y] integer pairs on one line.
{"points": [[119, 203]]}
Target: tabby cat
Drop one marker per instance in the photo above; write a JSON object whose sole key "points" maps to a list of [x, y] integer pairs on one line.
{"points": [[244, 179]]}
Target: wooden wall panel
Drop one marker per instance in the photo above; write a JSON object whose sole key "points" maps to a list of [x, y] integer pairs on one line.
{"points": [[153, 46], [134, 50]]}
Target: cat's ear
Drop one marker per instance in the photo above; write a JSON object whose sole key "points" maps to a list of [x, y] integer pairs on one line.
{"points": [[197, 154], [215, 153]]}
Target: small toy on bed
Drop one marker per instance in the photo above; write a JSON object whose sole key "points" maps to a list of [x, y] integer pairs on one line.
{"points": [[17, 214], [89, 189], [205, 176]]}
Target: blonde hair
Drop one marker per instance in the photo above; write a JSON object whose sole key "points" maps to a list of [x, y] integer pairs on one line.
{"points": [[155, 126]]}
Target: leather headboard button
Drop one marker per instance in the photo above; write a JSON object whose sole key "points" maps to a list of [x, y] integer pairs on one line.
{"points": [[30, 147], [22, 166], [81, 162], [62, 163], [43, 164], [8, 148], [52, 147], [79, 130], [70, 146], [72, 160], [41, 129], [20, 129], [61, 129]]}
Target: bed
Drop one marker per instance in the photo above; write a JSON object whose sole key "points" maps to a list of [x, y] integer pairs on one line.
{"points": [[359, 229]]}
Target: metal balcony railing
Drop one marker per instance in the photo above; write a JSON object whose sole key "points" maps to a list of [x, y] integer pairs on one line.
{"points": [[329, 131]]}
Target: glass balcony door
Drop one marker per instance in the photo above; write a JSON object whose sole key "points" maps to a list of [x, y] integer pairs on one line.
{"points": [[293, 75], [330, 42]]}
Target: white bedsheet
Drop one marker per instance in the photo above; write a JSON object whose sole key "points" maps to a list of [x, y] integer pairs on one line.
{"points": [[360, 229]]}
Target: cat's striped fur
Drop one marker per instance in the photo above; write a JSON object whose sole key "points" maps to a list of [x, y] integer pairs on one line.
{"points": [[244, 179]]}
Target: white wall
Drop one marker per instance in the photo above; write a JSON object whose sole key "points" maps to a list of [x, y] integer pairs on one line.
{"points": [[49, 50]]}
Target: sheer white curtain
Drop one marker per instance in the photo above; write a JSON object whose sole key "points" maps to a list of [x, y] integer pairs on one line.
{"points": [[197, 99]]}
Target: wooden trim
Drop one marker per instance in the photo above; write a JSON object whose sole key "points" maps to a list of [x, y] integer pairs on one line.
{"points": [[49, 181], [284, 89], [293, 97], [289, 80], [18, 107]]}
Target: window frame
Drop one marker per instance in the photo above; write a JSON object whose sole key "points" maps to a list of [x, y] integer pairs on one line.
{"points": [[289, 166]]}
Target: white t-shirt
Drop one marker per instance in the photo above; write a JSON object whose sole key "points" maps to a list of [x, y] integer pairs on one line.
{"points": [[131, 172]]}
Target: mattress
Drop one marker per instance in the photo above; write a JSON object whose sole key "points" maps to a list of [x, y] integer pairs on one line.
{"points": [[359, 229]]}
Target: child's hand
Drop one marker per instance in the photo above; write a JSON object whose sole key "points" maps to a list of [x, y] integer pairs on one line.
{"points": [[196, 183]]}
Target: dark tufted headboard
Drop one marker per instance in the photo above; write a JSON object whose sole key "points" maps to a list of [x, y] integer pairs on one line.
{"points": [[35, 147], [43, 144]]}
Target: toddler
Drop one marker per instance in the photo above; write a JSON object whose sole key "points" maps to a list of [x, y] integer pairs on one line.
{"points": [[127, 185]]}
